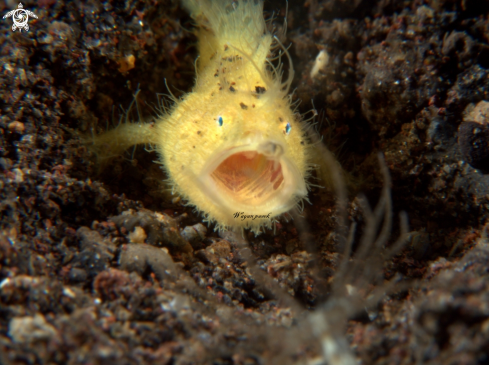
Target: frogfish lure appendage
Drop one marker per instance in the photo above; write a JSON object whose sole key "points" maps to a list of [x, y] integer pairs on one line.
{"points": [[232, 147]]}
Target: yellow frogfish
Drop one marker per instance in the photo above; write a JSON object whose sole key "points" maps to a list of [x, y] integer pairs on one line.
{"points": [[233, 147]]}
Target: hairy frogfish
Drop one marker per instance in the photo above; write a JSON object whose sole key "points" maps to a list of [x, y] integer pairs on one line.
{"points": [[232, 147]]}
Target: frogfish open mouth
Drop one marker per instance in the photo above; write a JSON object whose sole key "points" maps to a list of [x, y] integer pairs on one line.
{"points": [[233, 147]]}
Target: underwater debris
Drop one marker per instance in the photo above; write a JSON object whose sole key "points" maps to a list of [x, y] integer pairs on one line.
{"points": [[473, 136], [320, 63]]}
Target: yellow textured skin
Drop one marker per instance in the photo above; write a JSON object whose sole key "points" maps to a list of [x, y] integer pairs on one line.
{"points": [[233, 144]]}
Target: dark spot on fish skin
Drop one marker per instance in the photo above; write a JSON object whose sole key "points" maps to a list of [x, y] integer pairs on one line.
{"points": [[302, 143], [232, 89], [280, 119], [243, 106], [232, 58], [199, 132], [260, 89], [193, 146], [226, 47], [253, 105]]}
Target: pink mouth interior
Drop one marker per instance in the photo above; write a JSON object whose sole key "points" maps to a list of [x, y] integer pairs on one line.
{"points": [[249, 176]]}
